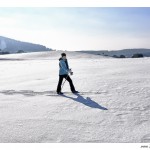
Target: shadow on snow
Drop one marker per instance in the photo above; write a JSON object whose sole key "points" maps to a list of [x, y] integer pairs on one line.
{"points": [[86, 101]]}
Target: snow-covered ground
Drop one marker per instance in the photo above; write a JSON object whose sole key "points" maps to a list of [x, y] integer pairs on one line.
{"points": [[114, 104]]}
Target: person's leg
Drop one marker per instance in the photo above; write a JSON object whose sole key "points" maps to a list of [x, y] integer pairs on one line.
{"points": [[70, 82], [59, 84]]}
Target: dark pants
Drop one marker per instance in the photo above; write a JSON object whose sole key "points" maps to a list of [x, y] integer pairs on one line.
{"points": [[68, 79]]}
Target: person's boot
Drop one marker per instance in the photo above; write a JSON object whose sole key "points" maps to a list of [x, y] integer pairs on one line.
{"points": [[60, 93], [75, 91]]}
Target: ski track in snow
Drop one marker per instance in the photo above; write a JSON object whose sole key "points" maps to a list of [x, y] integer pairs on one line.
{"points": [[46, 93], [113, 106]]}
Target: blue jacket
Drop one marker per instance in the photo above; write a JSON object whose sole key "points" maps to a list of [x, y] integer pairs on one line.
{"points": [[63, 67]]}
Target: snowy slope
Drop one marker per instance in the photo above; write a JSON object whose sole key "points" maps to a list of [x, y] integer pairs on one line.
{"points": [[114, 104], [11, 45], [48, 55]]}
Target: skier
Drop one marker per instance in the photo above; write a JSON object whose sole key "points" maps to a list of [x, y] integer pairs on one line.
{"points": [[64, 73]]}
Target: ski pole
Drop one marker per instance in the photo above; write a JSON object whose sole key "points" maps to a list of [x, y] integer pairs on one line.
{"points": [[71, 73], [64, 82]]}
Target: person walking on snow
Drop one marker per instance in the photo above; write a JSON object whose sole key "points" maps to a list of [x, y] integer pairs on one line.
{"points": [[64, 73]]}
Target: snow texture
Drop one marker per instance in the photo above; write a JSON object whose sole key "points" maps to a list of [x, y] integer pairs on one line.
{"points": [[113, 106]]}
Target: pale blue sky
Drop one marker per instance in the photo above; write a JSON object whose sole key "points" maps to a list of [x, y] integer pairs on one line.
{"points": [[78, 28]]}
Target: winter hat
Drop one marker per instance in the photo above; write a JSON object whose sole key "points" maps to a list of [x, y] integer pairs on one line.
{"points": [[63, 54]]}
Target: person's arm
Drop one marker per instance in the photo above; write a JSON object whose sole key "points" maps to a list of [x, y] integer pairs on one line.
{"points": [[67, 64], [69, 69]]}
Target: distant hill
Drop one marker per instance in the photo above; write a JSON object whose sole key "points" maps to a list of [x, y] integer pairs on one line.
{"points": [[14, 46], [126, 52]]}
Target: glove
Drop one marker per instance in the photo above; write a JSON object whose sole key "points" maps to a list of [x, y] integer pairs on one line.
{"points": [[70, 71]]}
